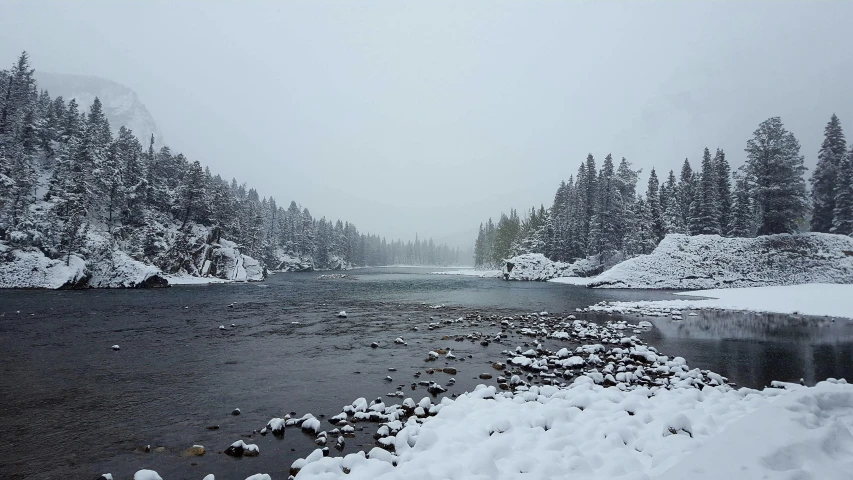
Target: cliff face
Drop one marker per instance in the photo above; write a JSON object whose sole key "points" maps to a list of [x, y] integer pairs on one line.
{"points": [[121, 104]]}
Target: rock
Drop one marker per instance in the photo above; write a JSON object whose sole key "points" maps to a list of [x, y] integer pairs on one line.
{"points": [[213, 427], [235, 412], [160, 449], [399, 341], [342, 314], [498, 366], [485, 376], [389, 379], [240, 449], [194, 451], [116, 347], [374, 345], [105, 476], [449, 370], [222, 327]]}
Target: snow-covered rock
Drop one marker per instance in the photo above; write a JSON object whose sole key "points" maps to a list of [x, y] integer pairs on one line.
{"points": [[32, 269], [230, 264], [286, 262], [711, 261], [537, 267]]}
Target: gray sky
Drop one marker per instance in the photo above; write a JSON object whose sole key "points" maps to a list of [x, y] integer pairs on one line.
{"points": [[430, 117]]}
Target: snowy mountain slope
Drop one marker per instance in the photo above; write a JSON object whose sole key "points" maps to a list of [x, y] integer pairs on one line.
{"points": [[711, 261], [122, 106]]}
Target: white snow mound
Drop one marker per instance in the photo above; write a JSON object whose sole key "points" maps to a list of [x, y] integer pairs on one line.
{"points": [[713, 433], [712, 261]]}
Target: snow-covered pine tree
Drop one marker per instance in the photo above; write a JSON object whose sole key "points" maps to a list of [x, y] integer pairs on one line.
{"points": [[823, 180], [686, 193], [775, 166], [652, 203], [708, 211], [724, 189], [842, 221], [580, 218], [742, 223]]}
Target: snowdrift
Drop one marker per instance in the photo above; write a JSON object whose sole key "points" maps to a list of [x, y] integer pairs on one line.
{"points": [[711, 261], [537, 267], [594, 432]]}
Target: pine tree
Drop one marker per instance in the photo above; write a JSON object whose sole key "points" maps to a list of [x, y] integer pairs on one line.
{"points": [[686, 194], [842, 221], [724, 190], [652, 203], [823, 180], [708, 212], [775, 166], [742, 223]]}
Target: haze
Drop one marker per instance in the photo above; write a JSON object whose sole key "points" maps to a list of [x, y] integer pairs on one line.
{"points": [[430, 117]]}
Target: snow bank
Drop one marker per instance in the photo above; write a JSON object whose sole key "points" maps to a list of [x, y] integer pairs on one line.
{"points": [[833, 300], [594, 432], [582, 281], [537, 267], [470, 272], [31, 269], [711, 261]]}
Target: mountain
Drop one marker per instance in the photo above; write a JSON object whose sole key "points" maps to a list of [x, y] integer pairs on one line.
{"points": [[121, 104]]}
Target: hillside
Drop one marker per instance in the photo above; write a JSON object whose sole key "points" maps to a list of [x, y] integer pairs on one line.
{"points": [[711, 261]]}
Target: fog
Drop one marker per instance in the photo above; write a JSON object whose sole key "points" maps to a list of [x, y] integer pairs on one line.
{"points": [[430, 117]]}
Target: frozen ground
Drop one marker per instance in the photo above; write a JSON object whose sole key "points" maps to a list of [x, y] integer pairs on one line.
{"points": [[471, 272], [583, 281], [588, 431], [819, 299]]}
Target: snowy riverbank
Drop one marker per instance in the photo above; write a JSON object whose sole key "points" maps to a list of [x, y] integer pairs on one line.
{"points": [[711, 261], [470, 272], [831, 300], [592, 432], [630, 413]]}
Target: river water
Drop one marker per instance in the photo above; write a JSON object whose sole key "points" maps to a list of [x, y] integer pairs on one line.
{"points": [[71, 407]]}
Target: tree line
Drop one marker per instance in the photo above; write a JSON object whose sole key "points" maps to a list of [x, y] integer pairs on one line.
{"points": [[63, 174], [598, 212]]}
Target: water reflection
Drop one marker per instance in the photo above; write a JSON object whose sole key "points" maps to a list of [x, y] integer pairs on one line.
{"points": [[754, 349]]}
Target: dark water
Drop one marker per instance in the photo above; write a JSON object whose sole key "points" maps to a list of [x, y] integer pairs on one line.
{"points": [[70, 407]]}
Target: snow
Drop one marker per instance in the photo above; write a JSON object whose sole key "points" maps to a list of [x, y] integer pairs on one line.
{"points": [[190, 280], [818, 299], [537, 267], [582, 281], [711, 261], [146, 475], [470, 272], [31, 269], [594, 432]]}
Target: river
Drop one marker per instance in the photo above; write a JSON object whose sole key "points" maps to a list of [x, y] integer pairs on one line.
{"points": [[74, 408]]}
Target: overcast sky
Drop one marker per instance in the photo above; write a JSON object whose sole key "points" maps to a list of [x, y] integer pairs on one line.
{"points": [[429, 117]]}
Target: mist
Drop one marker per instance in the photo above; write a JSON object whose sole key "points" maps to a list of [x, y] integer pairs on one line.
{"points": [[427, 118]]}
